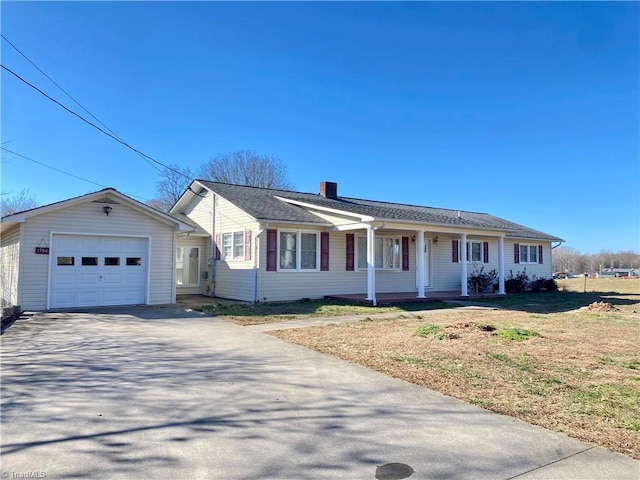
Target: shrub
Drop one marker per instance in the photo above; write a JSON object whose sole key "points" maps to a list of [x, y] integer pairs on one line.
{"points": [[479, 281], [550, 285], [518, 283]]}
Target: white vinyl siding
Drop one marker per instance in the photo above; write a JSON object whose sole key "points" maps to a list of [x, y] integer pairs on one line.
{"points": [[235, 279], [88, 218], [275, 286], [9, 267], [540, 270]]}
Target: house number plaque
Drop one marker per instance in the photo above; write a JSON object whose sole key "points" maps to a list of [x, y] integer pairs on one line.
{"points": [[42, 250]]}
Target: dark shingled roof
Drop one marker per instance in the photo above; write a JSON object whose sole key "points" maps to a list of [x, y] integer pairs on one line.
{"points": [[263, 204]]}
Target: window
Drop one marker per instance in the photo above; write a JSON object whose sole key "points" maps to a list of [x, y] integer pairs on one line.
{"points": [[474, 251], [386, 253], [134, 261], [528, 253], [188, 266], [111, 261], [89, 261], [298, 250], [233, 246], [66, 261]]}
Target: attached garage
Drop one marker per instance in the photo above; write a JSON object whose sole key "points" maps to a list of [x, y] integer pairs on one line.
{"points": [[101, 249], [98, 270]]}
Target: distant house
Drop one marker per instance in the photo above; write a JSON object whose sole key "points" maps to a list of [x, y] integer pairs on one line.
{"points": [[273, 245], [252, 244], [618, 273]]}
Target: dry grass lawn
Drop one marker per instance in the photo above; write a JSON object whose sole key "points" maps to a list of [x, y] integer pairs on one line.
{"points": [[572, 370]]}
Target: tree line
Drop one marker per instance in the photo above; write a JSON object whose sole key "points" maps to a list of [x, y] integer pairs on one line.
{"points": [[242, 167], [566, 259]]}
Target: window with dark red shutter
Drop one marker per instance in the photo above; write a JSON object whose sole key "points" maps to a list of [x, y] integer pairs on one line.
{"points": [[485, 252], [455, 251], [516, 253], [324, 251], [272, 250], [540, 254], [405, 253], [350, 252]]}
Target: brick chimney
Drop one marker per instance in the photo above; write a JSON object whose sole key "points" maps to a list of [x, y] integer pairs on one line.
{"points": [[329, 190]]}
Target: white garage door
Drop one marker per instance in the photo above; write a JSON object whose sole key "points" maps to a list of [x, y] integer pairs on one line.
{"points": [[92, 271]]}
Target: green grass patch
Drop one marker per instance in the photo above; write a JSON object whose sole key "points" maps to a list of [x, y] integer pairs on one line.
{"points": [[406, 359], [615, 402], [427, 330], [521, 363], [633, 363], [312, 308], [517, 334]]}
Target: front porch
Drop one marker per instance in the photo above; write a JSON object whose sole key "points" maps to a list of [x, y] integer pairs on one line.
{"points": [[401, 297]]}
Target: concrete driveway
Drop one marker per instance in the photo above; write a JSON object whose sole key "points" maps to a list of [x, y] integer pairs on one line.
{"points": [[166, 394]]}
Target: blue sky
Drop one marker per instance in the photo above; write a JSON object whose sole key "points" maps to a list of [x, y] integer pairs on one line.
{"points": [[528, 111]]}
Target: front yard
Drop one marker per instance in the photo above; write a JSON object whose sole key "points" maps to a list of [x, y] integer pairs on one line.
{"points": [[543, 358]]}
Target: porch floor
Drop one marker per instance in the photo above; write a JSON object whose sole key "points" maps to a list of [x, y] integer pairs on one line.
{"points": [[400, 297]]}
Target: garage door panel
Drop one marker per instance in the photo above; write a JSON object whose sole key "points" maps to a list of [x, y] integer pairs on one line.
{"points": [[106, 278], [88, 279], [112, 278], [65, 279]]}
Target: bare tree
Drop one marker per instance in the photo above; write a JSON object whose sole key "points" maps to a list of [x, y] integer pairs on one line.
{"points": [[174, 181], [246, 167], [17, 203]]}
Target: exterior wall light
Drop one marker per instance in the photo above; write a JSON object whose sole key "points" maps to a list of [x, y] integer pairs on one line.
{"points": [[107, 210]]}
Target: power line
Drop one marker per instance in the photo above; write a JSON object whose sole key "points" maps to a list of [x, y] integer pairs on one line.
{"points": [[114, 137], [68, 94], [62, 171]]}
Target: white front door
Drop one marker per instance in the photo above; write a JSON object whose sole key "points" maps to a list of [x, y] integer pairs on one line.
{"points": [[96, 270]]}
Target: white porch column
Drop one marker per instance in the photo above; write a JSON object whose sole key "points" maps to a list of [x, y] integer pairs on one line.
{"points": [[463, 259], [371, 265], [420, 262], [501, 265]]}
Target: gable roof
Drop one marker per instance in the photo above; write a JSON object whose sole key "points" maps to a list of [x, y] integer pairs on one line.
{"points": [[284, 205], [100, 196]]}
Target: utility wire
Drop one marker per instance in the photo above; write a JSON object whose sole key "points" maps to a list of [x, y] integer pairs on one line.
{"points": [[68, 94], [56, 84], [112, 136], [62, 171]]}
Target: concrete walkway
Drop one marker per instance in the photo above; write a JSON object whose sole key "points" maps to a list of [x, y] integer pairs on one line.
{"points": [[318, 321], [169, 394]]}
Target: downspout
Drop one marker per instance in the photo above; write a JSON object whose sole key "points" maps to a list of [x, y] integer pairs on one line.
{"points": [[256, 262], [212, 261]]}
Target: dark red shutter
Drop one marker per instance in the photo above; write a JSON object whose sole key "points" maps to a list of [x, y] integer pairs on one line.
{"points": [[324, 251], [485, 252], [516, 253], [247, 244], [455, 252], [540, 254], [272, 250], [405, 253], [350, 251], [217, 246]]}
